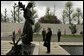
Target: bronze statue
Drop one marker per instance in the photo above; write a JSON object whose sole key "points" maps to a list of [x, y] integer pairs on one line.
{"points": [[27, 35], [28, 23]]}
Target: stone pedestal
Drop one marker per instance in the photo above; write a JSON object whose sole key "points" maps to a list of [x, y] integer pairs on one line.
{"points": [[22, 50], [28, 49]]}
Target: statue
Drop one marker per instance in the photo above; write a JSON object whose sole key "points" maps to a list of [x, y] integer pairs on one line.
{"points": [[28, 23], [26, 47]]}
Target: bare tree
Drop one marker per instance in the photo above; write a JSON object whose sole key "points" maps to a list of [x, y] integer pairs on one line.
{"points": [[69, 10], [64, 16], [13, 13], [34, 14], [78, 14], [5, 17]]}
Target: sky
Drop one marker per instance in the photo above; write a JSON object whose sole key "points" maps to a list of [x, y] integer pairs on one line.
{"points": [[41, 7]]}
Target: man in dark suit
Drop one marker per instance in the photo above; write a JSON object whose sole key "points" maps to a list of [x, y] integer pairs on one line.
{"points": [[48, 39], [59, 35], [44, 34]]}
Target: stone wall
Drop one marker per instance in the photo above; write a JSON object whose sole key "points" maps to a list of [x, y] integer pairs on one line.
{"points": [[10, 27], [62, 27]]}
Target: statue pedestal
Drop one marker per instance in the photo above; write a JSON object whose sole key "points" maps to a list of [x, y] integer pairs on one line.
{"points": [[22, 49], [28, 49]]}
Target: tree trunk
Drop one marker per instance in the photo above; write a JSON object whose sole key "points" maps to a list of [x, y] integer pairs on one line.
{"points": [[69, 16], [78, 18], [63, 20]]}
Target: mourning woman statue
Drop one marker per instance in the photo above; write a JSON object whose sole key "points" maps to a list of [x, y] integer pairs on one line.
{"points": [[27, 29]]}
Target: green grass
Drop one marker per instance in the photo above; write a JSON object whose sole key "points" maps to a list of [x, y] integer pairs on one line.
{"points": [[71, 36], [65, 36]]}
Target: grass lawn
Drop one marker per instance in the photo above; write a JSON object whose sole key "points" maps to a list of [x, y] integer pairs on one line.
{"points": [[71, 36]]}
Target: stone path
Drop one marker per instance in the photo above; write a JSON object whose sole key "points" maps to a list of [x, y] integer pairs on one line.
{"points": [[56, 49], [5, 46]]}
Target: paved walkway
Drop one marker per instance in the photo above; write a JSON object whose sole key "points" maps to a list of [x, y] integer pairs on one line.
{"points": [[56, 49]]}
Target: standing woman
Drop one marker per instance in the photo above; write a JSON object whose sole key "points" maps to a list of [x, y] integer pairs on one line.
{"points": [[48, 39]]}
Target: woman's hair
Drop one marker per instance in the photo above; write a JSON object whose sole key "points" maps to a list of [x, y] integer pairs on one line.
{"points": [[49, 29]]}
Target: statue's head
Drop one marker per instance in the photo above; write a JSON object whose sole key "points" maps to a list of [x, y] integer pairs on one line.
{"points": [[21, 5], [30, 4]]}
